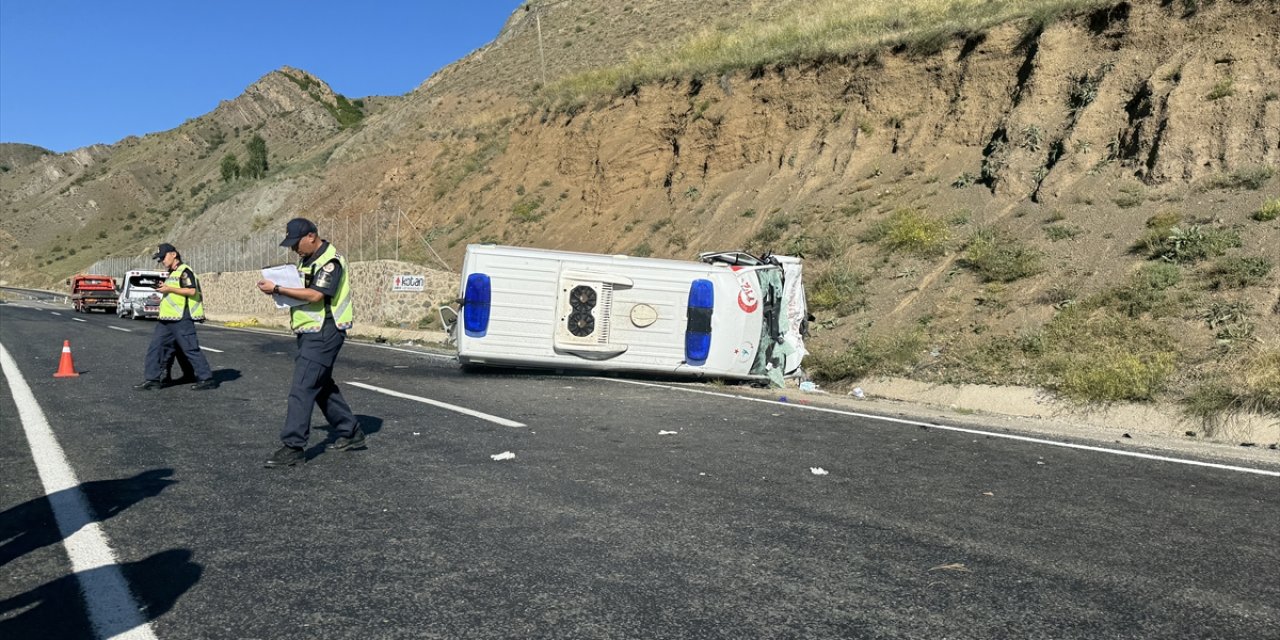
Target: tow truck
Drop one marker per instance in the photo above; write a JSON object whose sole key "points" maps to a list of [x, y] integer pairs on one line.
{"points": [[89, 292]]}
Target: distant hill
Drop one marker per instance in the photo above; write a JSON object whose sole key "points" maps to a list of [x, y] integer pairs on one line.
{"points": [[16, 155]]}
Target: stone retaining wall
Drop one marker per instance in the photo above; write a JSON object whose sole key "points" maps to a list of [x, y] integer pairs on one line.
{"points": [[234, 296]]}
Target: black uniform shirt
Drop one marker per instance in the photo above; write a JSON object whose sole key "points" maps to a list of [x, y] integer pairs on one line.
{"points": [[327, 276]]}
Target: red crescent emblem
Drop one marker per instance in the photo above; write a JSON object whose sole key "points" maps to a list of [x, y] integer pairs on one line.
{"points": [[747, 296]]}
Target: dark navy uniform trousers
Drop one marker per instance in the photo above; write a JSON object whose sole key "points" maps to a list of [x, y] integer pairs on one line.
{"points": [[313, 385], [170, 335]]}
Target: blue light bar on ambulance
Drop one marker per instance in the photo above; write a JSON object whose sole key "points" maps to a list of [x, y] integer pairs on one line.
{"points": [[475, 305], [697, 333]]}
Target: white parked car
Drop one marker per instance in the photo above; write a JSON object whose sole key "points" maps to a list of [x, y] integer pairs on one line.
{"points": [[138, 296], [728, 315]]}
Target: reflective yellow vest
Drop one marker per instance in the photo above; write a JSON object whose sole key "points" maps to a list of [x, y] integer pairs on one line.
{"points": [[309, 318], [171, 304]]}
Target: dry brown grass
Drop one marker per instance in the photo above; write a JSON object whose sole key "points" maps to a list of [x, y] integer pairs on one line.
{"points": [[815, 31]]}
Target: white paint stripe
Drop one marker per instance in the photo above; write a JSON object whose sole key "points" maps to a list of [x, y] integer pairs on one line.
{"points": [[112, 609], [443, 405], [204, 348], [427, 354], [55, 313], [79, 319], [120, 329], [993, 434]]}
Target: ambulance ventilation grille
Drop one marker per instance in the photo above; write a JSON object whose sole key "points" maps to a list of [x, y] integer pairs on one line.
{"points": [[606, 312]]}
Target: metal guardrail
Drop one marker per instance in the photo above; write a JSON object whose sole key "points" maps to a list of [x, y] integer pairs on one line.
{"points": [[35, 294]]}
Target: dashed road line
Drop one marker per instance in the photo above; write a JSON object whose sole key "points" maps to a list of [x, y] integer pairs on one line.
{"points": [[204, 348], [120, 329], [993, 434], [79, 319], [55, 313], [443, 405], [112, 610]]}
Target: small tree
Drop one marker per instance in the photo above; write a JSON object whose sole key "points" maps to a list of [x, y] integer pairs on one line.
{"points": [[255, 166], [230, 168]]}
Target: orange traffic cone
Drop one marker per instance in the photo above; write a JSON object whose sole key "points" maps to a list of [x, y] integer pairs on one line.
{"points": [[66, 369]]}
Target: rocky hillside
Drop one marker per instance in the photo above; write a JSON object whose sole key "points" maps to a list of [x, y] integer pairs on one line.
{"points": [[976, 203], [63, 211]]}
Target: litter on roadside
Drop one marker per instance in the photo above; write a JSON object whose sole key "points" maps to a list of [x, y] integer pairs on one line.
{"points": [[818, 471], [505, 455], [668, 433]]}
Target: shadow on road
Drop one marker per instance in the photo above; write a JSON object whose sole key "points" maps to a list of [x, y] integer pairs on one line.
{"points": [[47, 611], [31, 525], [223, 376]]}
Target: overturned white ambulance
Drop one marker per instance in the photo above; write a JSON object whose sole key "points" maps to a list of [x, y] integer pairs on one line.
{"points": [[729, 315]]}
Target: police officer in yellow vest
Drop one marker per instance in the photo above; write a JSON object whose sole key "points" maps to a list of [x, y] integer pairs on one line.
{"points": [[180, 308], [321, 324]]}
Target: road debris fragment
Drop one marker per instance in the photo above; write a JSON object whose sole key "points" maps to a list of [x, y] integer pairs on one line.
{"points": [[505, 455]]}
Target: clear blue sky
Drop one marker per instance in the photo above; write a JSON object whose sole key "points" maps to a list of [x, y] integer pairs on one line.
{"points": [[94, 71]]}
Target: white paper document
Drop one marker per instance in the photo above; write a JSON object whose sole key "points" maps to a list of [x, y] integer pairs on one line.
{"points": [[285, 275]]}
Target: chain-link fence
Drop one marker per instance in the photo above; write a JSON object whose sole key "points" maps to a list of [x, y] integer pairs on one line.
{"points": [[377, 235]]}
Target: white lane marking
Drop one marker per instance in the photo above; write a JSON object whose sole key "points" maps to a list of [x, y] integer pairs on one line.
{"points": [[443, 405], [416, 353], [993, 434], [55, 313], [79, 319], [120, 329], [204, 348], [112, 610]]}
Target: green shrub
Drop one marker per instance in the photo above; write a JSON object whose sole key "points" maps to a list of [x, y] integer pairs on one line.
{"points": [[1239, 272], [823, 247], [872, 355], [1144, 292], [838, 289], [526, 210], [1098, 356], [1269, 211], [774, 227], [1191, 244], [1252, 177], [909, 230], [997, 257], [642, 250], [1058, 232], [1251, 385], [1222, 89], [1130, 196]]}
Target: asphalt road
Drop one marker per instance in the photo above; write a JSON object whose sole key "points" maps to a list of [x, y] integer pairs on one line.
{"points": [[599, 527]]}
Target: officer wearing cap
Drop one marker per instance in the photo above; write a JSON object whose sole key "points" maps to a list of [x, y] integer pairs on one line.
{"points": [[180, 308], [320, 322]]}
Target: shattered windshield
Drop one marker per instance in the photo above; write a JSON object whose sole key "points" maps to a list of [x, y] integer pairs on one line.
{"points": [[145, 282]]}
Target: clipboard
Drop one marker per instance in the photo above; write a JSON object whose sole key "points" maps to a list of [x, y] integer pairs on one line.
{"points": [[285, 275]]}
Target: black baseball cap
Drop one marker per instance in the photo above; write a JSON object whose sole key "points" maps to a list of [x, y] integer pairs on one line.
{"points": [[297, 229], [162, 250]]}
